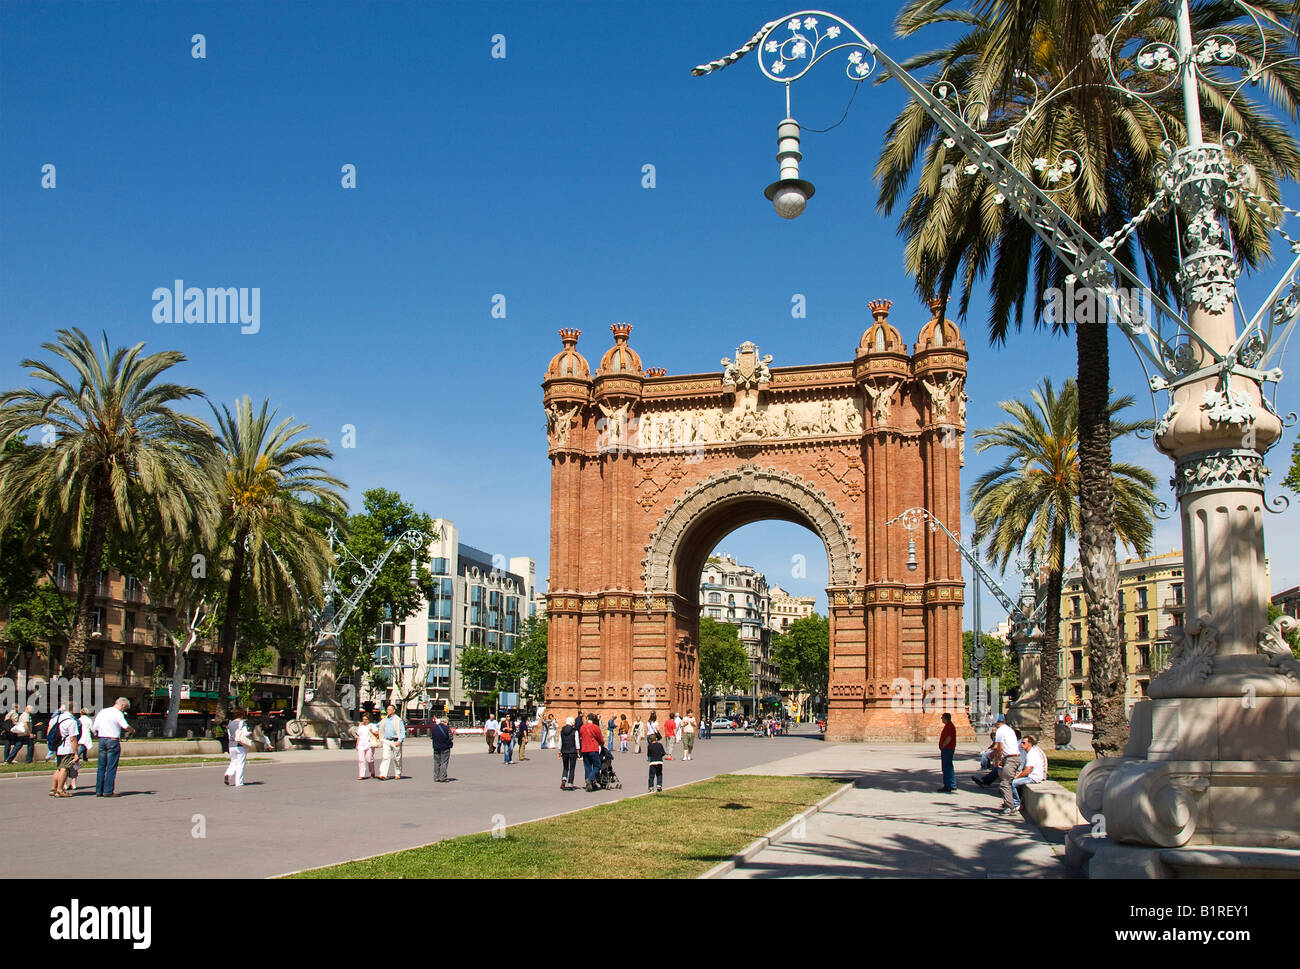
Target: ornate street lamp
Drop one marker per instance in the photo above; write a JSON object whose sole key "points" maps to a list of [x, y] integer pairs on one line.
{"points": [[1217, 427], [1025, 616]]}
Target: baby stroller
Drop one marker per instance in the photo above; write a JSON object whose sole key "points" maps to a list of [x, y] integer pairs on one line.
{"points": [[607, 780]]}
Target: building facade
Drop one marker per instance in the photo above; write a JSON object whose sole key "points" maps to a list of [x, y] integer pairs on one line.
{"points": [[1151, 599], [787, 608], [739, 595], [478, 599], [1289, 602]]}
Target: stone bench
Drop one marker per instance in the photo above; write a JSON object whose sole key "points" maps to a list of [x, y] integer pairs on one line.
{"points": [[1049, 805]]}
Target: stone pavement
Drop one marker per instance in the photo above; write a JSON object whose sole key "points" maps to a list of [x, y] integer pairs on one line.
{"points": [[895, 824], [307, 809]]}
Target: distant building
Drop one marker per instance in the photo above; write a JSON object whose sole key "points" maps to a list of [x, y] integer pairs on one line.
{"points": [[739, 594], [1289, 602], [478, 600], [786, 608], [1151, 599]]}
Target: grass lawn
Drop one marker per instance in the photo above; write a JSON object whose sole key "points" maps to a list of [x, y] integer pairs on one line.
{"points": [[1064, 766], [680, 833], [44, 766]]}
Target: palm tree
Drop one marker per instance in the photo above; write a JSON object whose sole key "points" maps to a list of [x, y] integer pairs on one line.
{"points": [[1032, 500], [116, 455], [958, 230], [271, 502]]}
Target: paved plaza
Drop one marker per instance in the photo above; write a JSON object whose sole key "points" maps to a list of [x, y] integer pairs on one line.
{"points": [[305, 809]]}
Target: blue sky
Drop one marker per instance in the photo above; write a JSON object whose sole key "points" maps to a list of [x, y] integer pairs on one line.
{"points": [[476, 176]]}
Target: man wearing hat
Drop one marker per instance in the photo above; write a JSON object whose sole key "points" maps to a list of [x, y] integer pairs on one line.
{"points": [[1005, 738]]}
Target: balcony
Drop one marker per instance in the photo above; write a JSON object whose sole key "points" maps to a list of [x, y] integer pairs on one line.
{"points": [[1174, 604]]}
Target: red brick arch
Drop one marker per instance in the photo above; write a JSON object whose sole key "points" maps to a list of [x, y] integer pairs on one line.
{"points": [[650, 471]]}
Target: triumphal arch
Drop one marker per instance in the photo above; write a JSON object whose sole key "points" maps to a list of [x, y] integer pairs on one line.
{"points": [[649, 472]]}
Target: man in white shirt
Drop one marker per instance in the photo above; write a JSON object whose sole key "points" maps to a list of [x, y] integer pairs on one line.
{"points": [[61, 737], [1005, 738], [392, 731], [1035, 769], [490, 728], [109, 725]]}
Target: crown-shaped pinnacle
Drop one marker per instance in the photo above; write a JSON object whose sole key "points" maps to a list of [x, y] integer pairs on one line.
{"points": [[880, 308], [569, 336]]}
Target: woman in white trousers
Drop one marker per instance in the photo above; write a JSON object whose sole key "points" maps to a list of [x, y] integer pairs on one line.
{"points": [[367, 741], [240, 741]]}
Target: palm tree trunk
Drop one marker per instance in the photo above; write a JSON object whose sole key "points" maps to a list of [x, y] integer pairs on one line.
{"points": [[1097, 538], [229, 626], [1050, 672], [74, 663]]}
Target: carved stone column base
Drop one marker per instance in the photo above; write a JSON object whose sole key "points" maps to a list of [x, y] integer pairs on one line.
{"points": [[1103, 858], [323, 721]]}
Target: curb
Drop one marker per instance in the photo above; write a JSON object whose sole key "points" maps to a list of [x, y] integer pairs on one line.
{"points": [[122, 766], [776, 834]]}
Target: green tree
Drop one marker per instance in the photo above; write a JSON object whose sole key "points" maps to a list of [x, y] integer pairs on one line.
{"points": [[38, 615], [1292, 479], [958, 230], [113, 453], [1000, 663], [803, 654], [531, 655], [487, 672], [1031, 502], [723, 661], [271, 500]]}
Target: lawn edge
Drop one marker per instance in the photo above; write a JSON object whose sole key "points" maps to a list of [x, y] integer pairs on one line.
{"points": [[124, 766], [776, 834]]}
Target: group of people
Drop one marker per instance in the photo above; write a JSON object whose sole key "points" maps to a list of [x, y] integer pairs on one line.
{"points": [[584, 737], [507, 735], [69, 735], [387, 734], [1010, 761]]}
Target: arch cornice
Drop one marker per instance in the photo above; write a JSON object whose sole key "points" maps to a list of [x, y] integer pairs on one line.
{"points": [[745, 483]]}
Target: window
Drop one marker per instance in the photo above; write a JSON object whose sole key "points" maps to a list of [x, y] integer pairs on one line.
{"points": [[1142, 597], [1121, 602], [439, 632], [383, 655], [437, 653], [1144, 657], [1074, 605], [1076, 634], [1178, 593], [1143, 630], [97, 621], [128, 627], [96, 658], [440, 567], [715, 597], [128, 667], [1076, 664]]}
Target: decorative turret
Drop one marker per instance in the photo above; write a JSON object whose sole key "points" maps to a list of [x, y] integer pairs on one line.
{"points": [[568, 378], [940, 366], [881, 366], [656, 372], [940, 331], [620, 374]]}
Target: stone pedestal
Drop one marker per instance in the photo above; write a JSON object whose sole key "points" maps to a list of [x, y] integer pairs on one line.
{"points": [[323, 718], [1024, 713]]}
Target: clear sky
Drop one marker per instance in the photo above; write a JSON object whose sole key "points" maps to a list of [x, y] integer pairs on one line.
{"points": [[476, 176]]}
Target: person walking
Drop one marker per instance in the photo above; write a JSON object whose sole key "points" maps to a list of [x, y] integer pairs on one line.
{"points": [[84, 741], [638, 729], [688, 737], [109, 725], [521, 734], [652, 727], [624, 728], [670, 735], [568, 754], [367, 741], [1010, 747], [490, 728], [654, 755], [506, 738], [591, 742], [947, 748], [241, 738], [441, 736], [24, 732], [392, 731], [61, 738]]}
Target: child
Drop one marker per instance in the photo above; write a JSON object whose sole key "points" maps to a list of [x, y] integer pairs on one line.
{"points": [[654, 752]]}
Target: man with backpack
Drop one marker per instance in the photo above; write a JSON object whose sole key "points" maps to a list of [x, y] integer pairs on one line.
{"points": [[61, 738]]}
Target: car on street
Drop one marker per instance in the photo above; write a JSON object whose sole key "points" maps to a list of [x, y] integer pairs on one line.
{"points": [[722, 723]]}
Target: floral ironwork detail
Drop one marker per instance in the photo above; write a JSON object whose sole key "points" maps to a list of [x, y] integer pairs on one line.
{"points": [[1218, 469]]}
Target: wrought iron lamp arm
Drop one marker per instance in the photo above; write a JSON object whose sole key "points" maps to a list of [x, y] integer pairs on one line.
{"points": [[334, 621], [912, 517]]}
